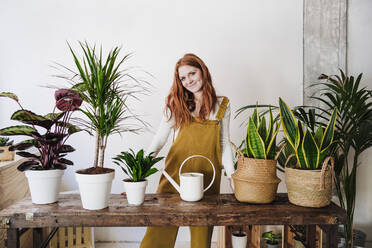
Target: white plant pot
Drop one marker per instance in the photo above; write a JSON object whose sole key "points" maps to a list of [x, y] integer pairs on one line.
{"points": [[44, 185], [95, 189], [272, 246], [135, 191], [239, 241]]}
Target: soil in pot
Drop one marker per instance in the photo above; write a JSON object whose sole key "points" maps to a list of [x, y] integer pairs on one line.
{"points": [[95, 170]]}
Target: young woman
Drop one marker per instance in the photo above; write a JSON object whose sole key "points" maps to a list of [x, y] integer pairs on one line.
{"points": [[199, 122]]}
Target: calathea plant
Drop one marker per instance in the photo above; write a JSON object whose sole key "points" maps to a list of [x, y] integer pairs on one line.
{"points": [[260, 141], [50, 144], [5, 142], [309, 148], [136, 165]]}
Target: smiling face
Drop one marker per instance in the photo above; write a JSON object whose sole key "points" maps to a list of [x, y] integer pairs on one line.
{"points": [[191, 78]]}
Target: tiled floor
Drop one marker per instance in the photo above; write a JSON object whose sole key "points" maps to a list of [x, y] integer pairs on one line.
{"points": [[136, 245]]}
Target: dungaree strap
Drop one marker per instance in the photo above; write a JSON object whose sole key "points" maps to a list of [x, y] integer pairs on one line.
{"points": [[222, 109]]}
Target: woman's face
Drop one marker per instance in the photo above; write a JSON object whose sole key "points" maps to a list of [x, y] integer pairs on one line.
{"points": [[191, 78]]}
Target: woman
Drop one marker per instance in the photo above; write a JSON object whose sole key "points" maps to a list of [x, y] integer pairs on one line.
{"points": [[200, 122]]}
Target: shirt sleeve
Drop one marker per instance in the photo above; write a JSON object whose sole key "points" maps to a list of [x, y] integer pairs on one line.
{"points": [[161, 136], [227, 158]]}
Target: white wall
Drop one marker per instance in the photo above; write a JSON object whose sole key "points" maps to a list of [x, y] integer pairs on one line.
{"points": [[359, 60], [252, 48]]}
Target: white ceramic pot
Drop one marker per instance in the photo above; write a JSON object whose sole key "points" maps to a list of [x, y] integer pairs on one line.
{"points": [[271, 246], [95, 189], [239, 241], [135, 191], [44, 185]]}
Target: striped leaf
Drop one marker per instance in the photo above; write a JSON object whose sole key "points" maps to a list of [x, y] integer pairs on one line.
{"points": [[17, 130], [28, 117], [9, 95], [289, 123], [310, 150], [256, 144], [270, 149], [329, 131]]}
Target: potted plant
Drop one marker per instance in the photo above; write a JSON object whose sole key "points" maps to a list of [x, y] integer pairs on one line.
{"points": [[239, 239], [309, 183], [138, 167], [6, 154], [255, 179], [99, 83], [44, 168], [353, 134], [271, 239]]}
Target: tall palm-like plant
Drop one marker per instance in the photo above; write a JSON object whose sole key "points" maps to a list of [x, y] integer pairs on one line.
{"points": [[352, 132], [105, 88]]}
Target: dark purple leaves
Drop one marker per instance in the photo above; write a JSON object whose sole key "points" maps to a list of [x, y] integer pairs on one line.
{"points": [[27, 165], [67, 100]]}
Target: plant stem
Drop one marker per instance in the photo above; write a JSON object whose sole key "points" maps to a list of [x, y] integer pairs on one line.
{"points": [[97, 150]]}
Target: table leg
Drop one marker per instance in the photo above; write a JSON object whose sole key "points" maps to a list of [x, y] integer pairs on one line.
{"points": [[12, 240], [37, 236], [310, 235], [331, 239]]}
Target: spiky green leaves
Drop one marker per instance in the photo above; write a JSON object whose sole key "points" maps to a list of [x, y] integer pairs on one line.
{"points": [[137, 166], [261, 141], [311, 148]]}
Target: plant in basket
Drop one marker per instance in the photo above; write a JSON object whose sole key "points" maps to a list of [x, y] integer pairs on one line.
{"points": [[309, 183], [137, 167], [255, 179], [47, 163], [5, 153], [105, 88]]}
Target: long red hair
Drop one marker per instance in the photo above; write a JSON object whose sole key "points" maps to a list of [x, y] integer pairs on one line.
{"points": [[180, 102]]}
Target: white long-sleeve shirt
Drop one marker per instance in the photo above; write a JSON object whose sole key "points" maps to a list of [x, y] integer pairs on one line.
{"points": [[165, 129]]}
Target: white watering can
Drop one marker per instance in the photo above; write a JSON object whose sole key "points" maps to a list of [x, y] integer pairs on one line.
{"points": [[191, 184]]}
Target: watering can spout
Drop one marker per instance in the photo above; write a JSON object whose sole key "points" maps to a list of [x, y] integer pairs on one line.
{"points": [[170, 179]]}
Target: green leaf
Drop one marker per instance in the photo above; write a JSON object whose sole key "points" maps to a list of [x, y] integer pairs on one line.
{"points": [[24, 145], [28, 117], [17, 130], [9, 95], [289, 123], [262, 129], [329, 131], [255, 142], [310, 150], [270, 149], [318, 136]]}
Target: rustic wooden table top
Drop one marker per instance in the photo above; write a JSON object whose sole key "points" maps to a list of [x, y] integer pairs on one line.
{"points": [[166, 210]]}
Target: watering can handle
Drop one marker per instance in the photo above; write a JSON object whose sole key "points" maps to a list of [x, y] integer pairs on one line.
{"points": [[199, 156]]}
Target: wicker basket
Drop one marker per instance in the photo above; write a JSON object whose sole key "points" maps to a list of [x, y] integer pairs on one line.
{"points": [[309, 188], [6, 155], [255, 180]]}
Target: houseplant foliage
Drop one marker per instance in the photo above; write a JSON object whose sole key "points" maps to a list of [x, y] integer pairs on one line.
{"points": [[353, 133], [44, 168], [137, 166], [271, 238], [105, 88], [306, 184], [5, 141], [50, 144], [255, 179]]}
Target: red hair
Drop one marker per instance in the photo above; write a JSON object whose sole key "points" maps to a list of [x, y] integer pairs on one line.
{"points": [[180, 102]]}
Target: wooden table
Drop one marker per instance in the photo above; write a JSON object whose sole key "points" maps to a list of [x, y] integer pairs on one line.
{"points": [[167, 210]]}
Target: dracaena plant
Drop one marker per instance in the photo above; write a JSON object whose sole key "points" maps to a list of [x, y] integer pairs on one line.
{"points": [[260, 141], [136, 165], [310, 148], [105, 86], [271, 238], [50, 144]]}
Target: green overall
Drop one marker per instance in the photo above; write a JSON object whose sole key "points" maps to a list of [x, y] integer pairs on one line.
{"points": [[202, 138]]}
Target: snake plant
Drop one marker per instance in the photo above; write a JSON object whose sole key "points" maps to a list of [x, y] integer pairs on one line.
{"points": [[310, 148], [260, 141]]}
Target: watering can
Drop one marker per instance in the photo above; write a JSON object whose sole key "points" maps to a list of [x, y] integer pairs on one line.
{"points": [[191, 186]]}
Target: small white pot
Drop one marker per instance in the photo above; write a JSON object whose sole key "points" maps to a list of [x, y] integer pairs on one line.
{"points": [[239, 241], [95, 189], [44, 185], [272, 246], [135, 191]]}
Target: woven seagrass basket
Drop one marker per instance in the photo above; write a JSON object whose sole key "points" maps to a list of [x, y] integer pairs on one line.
{"points": [[309, 188], [255, 180]]}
